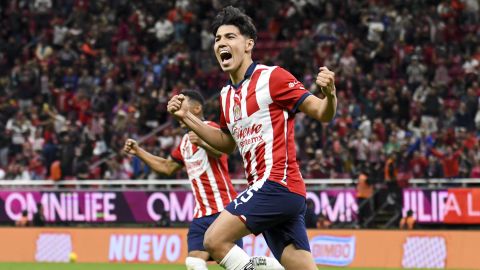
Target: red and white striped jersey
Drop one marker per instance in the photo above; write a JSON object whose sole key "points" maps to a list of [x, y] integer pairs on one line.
{"points": [[211, 184], [259, 114]]}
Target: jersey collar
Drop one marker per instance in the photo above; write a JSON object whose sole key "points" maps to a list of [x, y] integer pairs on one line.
{"points": [[249, 73]]}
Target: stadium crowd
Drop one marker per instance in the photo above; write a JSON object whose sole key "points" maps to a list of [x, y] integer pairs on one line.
{"points": [[79, 77]]}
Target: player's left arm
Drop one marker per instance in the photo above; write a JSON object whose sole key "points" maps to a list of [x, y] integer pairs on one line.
{"points": [[322, 109], [195, 139]]}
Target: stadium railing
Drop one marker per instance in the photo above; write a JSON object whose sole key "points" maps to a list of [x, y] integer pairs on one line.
{"points": [[464, 182], [146, 184], [168, 183]]}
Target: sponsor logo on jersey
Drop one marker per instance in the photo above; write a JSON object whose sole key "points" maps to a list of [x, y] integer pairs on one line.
{"points": [[292, 84], [248, 135], [246, 132]]}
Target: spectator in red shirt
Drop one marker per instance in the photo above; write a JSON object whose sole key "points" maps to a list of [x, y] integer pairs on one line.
{"points": [[449, 161], [418, 165], [475, 173]]}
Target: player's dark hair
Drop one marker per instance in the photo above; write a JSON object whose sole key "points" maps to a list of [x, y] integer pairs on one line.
{"points": [[194, 95], [234, 16]]}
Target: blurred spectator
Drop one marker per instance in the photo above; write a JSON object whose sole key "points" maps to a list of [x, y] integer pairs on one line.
{"points": [[364, 194], [416, 72], [140, 169], [18, 127], [450, 161], [431, 110], [407, 222], [475, 173], [434, 168], [323, 222], [359, 145], [163, 29], [164, 219], [310, 216], [23, 220], [39, 217], [319, 166], [418, 165], [391, 178]]}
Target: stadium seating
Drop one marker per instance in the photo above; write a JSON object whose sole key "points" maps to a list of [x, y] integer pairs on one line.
{"points": [[77, 80]]}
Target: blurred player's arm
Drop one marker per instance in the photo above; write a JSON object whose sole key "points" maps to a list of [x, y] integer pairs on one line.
{"points": [[322, 109], [201, 143], [213, 136], [158, 164]]}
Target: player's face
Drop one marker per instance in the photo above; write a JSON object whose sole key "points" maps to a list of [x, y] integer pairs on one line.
{"points": [[231, 47]]}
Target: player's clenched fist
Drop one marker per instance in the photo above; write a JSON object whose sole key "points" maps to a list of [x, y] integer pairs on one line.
{"points": [[130, 147], [177, 106], [326, 81]]}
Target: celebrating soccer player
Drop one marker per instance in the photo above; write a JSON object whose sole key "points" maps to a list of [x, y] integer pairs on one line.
{"points": [[258, 107], [207, 171]]}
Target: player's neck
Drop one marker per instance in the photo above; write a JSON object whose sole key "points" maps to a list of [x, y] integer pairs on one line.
{"points": [[236, 76]]}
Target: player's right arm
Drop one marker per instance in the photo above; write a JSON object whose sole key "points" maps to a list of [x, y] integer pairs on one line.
{"points": [[158, 164], [215, 137]]}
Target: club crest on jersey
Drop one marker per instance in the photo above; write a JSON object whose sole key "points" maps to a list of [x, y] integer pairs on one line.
{"points": [[237, 112]]}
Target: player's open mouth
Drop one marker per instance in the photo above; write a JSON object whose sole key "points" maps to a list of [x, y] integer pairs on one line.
{"points": [[225, 56]]}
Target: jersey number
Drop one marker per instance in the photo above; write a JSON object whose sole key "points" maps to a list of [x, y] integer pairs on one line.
{"points": [[248, 194]]}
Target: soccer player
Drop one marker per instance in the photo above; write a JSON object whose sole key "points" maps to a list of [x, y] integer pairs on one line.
{"points": [[258, 106], [207, 171]]}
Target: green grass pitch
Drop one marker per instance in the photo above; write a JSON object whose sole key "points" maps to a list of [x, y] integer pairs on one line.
{"points": [[116, 266]]}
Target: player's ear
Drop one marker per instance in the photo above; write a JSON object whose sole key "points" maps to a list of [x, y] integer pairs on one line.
{"points": [[250, 44], [197, 108]]}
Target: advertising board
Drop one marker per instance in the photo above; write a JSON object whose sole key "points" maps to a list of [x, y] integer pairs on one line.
{"points": [[454, 206], [140, 206], [344, 248]]}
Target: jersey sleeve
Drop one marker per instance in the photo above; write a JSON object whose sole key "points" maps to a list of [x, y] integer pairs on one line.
{"points": [[286, 91], [177, 155]]}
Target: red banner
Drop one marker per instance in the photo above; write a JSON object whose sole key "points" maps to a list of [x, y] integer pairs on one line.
{"points": [[462, 206]]}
